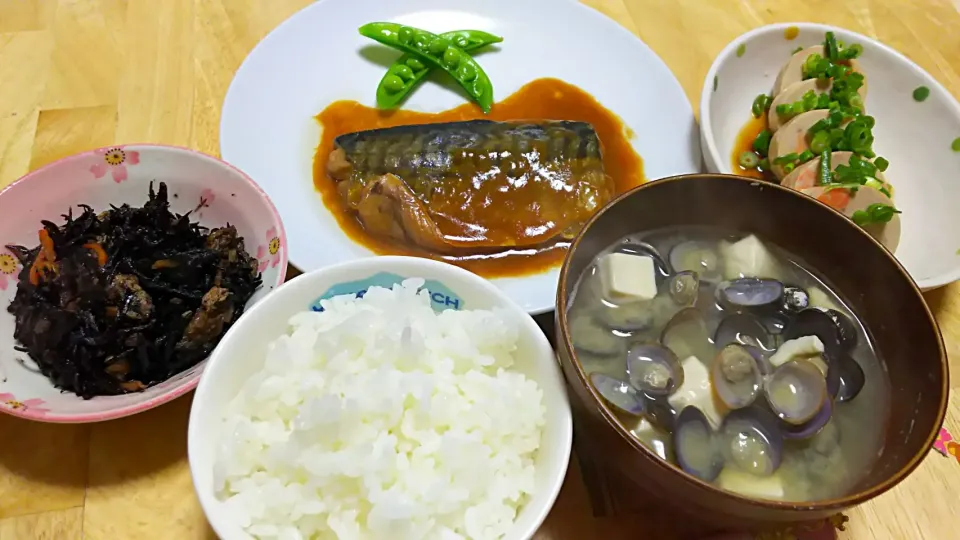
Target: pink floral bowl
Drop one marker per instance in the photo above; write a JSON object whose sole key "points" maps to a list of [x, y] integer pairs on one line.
{"points": [[114, 176]]}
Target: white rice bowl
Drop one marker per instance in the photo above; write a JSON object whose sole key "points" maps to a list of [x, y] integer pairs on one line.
{"points": [[380, 418]]}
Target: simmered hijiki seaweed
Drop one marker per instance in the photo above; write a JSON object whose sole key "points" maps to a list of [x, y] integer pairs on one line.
{"points": [[115, 302]]}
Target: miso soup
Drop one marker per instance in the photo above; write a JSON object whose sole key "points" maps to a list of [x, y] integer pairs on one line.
{"points": [[728, 357]]}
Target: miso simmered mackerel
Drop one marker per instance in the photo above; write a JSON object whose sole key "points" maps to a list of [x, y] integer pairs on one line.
{"points": [[499, 194], [116, 301], [817, 138], [729, 358], [472, 185]]}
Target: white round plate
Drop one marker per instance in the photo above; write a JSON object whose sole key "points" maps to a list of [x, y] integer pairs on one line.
{"points": [[317, 57], [915, 137]]}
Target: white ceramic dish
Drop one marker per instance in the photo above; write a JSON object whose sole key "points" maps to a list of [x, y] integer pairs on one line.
{"points": [[914, 136], [242, 350], [115, 176], [317, 57]]}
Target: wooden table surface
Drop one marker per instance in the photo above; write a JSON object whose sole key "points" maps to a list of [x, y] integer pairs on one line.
{"points": [[79, 74]]}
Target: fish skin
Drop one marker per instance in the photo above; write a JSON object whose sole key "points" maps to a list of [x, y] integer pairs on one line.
{"points": [[427, 148]]}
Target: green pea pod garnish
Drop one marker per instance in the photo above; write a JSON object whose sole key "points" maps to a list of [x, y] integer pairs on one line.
{"points": [[411, 70], [453, 59]]}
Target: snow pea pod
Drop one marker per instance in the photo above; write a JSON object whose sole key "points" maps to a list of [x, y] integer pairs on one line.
{"points": [[430, 50], [407, 72]]}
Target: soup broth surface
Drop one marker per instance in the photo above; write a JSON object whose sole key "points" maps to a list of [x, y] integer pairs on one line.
{"points": [[794, 422]]}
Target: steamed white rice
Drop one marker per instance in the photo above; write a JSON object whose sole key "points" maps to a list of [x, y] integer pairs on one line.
{"points": [[378, 418]]}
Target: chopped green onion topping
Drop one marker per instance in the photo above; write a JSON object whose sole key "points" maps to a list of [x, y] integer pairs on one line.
{"points": [[748, 160], [877, 185], [857, 171], [825, 175], [786, 158], [761, 144], [846, 127], [741, 49], [820, 142], [815, 67], [955, 145], [798, 49], [836, 51], [858, 137], [810, 101], [875, 213], [921, 93], [831, 48], [836, 138], [852, 186], [818, 126], [851, 52], [761, 104], [856, 102], [846, 82]]}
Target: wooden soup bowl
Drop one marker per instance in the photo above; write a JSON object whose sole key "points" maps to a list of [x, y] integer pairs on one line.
{"points": [[866, 276]]}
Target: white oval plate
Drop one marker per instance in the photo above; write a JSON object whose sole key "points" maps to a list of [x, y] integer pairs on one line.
{"points": [[316, 57], [914, 137]]}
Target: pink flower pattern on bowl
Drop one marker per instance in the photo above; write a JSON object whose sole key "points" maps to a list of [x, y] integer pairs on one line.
{"points": [[8, 270], [944, 437], [115, 161], [269, 254], [207, 196], [32, 405]]}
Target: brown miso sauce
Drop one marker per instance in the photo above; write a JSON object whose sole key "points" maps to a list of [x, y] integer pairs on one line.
{"points": [[744, 143], [541, 99]]}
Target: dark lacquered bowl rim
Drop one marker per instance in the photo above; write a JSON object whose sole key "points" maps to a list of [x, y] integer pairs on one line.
{"points": [[838, 503]]}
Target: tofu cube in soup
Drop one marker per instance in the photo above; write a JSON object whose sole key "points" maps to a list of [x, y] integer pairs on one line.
{"points": [[751, 485], [696, 390], [748, 257], [627, 278]]}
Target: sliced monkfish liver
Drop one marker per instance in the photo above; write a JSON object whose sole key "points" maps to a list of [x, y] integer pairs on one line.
{"points": [[792, 71], [792, 138], [806, 175], [888, 234], [793, 94]]}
